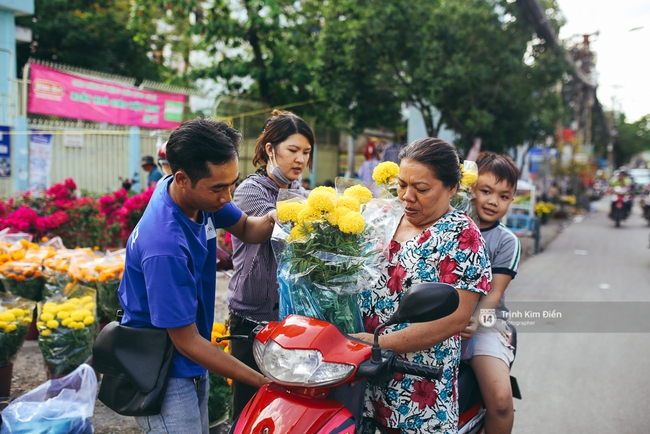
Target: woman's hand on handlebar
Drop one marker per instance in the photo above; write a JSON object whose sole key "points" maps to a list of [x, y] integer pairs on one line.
{"points": [[365, 337]]}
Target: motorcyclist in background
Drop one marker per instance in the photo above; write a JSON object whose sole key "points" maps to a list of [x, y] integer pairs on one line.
{"points": [[622, 179]]}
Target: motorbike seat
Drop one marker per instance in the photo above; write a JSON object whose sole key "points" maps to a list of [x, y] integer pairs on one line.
{"points": [[468, 391]]}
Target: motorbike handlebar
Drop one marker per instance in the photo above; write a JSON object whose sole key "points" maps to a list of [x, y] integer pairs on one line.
{"points": [[406, 367]]}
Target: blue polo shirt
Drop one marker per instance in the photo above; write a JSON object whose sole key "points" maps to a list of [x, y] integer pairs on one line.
{"points": [[170, 271]]}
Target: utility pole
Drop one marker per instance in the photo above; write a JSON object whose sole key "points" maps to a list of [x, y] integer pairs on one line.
{"points": [[610, 142]]}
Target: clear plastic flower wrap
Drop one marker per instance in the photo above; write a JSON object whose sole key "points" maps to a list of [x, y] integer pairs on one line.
{"points": [[56, 269], [67, 328], [110, 269], [15, 317], [329, 247], [21, 269], [462, 200]]}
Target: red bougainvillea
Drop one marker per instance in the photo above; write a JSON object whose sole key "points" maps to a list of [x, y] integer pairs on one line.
{"points": [[85, 221]]}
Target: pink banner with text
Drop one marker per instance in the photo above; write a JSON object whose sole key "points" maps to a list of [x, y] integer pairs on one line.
{"points": [[56, 93]]}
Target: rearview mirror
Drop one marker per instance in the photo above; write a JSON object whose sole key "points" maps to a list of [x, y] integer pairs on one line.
{"points": [[425, 302]]}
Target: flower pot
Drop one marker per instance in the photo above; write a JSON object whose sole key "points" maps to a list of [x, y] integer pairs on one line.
{"points": [[32, 332], [6, 374]]}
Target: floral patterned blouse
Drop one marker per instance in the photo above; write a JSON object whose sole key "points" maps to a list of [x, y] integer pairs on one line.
{"points": [[450, 251]]}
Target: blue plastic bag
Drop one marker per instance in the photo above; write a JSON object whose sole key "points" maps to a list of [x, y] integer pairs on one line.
{"points": [[61, 406]]}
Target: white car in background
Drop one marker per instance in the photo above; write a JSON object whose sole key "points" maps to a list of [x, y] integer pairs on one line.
{"points": [[641, 177]]}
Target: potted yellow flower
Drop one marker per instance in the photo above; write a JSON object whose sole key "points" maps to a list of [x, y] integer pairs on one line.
{"points": [[67, 328], [220, 398], [15, 317], [544, 210]]}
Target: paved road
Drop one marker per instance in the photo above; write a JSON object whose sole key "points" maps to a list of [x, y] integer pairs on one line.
{"points": [[586, 382]]}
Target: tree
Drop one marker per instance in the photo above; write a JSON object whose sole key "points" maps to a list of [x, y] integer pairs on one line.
{"points": [[256, 49], [631, 140], [165, 30], [472, 62], [92, 35]]}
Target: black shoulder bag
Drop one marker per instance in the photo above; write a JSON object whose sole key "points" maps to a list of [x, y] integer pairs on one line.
{"points": [[135, 363]]}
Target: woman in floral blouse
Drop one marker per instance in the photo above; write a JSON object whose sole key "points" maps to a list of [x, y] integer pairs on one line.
{"points": [[433, 243]]}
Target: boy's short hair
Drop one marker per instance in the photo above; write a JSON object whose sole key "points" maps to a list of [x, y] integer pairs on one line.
{"points": [[500, 165]]}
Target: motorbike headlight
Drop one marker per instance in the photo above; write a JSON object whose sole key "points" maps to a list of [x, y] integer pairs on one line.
{"points": [[298, 367]]}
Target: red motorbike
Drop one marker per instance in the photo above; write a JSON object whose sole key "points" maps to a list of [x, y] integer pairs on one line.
{"points": [[621, 204], [319, 373]]}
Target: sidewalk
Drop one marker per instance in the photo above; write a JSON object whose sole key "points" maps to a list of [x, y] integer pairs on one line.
{"points": [[548, 232]]}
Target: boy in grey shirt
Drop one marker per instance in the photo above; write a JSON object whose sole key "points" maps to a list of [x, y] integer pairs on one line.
{"points": [[494, 190]]}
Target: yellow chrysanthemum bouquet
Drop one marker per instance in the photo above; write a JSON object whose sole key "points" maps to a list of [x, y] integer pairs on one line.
{"points": [[328, 249], [15, 317], [67, 328], [385, 176], [462, 200]]}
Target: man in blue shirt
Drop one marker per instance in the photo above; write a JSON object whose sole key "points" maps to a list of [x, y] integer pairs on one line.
{"points": [[170, 270]]}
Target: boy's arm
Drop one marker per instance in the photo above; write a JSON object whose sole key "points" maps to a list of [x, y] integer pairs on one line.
{"points": [[254, 230], [192, 345], [490, 301]]}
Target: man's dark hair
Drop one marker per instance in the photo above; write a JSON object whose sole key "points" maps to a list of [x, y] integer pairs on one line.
{"points": [[501, 166], [441, 157], [200, 141]]}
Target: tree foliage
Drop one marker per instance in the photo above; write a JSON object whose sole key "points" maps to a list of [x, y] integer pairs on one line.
{"points": [[472, 62], [92, 35], [631, 139], [258, 49]]}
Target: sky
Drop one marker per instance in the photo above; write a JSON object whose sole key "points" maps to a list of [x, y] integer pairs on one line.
{"points": [[623, 54]]}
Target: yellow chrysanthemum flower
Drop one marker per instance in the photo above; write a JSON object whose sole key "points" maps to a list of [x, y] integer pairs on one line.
{"points": [[77, 315], [18, 311], [321, 200], [385, 172], [52, 324], [47, 316], [349, 202], [339, 212], [299, 233], [469, 171], [309, 214], [7, 316], [45, 332], [352, 223], [325, 189], [360, 192], [288, 210]]}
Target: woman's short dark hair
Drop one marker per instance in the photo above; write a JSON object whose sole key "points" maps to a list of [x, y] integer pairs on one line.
{"points": [[441, 157], [277, 129], [501, 166], [200, 141]]}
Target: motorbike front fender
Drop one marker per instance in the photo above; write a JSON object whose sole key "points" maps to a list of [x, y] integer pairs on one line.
{"points": [[276, 410]]}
